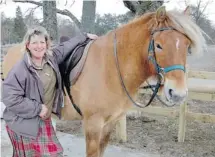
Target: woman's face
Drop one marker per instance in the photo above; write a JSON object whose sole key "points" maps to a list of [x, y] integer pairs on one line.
{"points": [[37, 46]]}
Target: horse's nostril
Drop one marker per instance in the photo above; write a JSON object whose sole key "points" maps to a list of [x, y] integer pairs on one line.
{"points": [[170, 92]]}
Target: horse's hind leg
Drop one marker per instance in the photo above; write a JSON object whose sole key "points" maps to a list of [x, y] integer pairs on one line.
{"points": [[105, 136], [93, 130]]}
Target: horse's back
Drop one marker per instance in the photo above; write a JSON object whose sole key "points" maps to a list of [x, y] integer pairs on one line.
{"points": [[11, 58]]}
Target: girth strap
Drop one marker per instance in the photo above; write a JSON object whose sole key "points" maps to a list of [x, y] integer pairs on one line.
{"points": [[69, 63]]}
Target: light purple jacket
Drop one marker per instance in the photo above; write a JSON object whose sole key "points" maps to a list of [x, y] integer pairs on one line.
{"points": [[23, 91]]}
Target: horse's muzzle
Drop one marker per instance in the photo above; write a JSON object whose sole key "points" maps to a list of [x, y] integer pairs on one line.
{"points": [[175, 96]]}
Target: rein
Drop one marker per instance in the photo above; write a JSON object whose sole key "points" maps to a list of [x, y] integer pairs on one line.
{"points": [[159, 70]]}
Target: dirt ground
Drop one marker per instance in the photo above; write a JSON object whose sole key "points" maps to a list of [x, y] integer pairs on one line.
{"points": [[159, 133]]}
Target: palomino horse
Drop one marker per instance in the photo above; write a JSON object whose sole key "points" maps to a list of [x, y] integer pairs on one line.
{"points": [[13, 56], [153, 46]]}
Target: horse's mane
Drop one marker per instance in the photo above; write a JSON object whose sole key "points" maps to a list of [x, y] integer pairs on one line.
{"points": [[187, 26]]}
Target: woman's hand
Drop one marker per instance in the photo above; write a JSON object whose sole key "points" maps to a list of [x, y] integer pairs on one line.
{"points": [[92, 36], [43, 112]]}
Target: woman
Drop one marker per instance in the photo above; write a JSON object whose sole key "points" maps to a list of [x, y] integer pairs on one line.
{"points": [[32, 92]]}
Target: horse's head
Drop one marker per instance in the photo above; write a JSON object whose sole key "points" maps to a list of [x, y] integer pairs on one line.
{"points": [[172, 37]]}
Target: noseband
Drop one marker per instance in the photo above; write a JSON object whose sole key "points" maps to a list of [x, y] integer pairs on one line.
{"points": [[161, 71]]}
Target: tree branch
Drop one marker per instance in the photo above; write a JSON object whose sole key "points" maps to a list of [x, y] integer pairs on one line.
{"points": [[131, 6], [26, 1], [31, 10], [65, 3], [62, 12], [2, 2], [72, 3], [68, 13], [201, 12]]}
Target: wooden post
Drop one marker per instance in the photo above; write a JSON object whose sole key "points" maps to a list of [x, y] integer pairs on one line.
{"points": [[121, 130], [54, 123], [182, 122], [54, 119], [182, 117]]}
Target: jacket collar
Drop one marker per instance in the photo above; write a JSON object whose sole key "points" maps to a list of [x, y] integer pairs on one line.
{"points": [[27, 59]]}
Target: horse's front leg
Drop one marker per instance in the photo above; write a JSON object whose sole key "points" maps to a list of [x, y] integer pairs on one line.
{"points": [[93, 129], [105, 136]]}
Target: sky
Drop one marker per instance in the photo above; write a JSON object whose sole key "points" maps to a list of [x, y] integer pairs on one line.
{"points": [[102, 7]]}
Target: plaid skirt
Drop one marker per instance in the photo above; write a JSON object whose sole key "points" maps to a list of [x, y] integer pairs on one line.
{"points": [[45, 145]]}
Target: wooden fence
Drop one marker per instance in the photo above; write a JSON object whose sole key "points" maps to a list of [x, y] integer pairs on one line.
{"points": [[201, 86]]}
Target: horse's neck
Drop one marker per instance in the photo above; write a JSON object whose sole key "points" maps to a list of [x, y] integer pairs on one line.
{"points": [[132, 55]]}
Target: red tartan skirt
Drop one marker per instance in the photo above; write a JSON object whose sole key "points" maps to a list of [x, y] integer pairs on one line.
{"points": [[45, 145]]}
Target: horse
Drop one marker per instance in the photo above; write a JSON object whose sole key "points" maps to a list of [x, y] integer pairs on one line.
{"points": [[151, 49], [12, 56], [153, 46]]}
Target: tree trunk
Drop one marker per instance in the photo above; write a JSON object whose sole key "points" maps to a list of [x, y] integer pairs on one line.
{"points": [[88, 16], [141, 7], [50, 19]]}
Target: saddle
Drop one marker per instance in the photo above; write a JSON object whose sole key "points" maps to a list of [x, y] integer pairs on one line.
{"points": [[67, 66]]}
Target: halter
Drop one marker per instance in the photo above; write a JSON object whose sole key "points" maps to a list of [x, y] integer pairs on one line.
{"points": [[152, 57], [159, 70]]}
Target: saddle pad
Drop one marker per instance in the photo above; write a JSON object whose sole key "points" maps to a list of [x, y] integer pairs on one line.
{"points": [[76, 71]]}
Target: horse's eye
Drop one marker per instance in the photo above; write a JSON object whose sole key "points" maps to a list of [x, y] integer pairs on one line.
{"points": [[158, 46]]}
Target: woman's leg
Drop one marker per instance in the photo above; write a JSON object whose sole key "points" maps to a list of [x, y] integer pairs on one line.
{"points": [[16, 141]]}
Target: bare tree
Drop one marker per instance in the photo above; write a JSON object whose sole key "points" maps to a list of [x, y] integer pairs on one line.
{"points": [[141, 7], [198, 9], [88, 16], [198, 13], [131, 5], [62, 12], [2, 1], [50, 19]]}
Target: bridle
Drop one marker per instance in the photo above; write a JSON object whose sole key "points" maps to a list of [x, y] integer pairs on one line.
{"points": [[160, 71]]}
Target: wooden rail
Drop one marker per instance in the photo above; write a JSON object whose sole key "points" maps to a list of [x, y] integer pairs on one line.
{"points": [[201, 85]]}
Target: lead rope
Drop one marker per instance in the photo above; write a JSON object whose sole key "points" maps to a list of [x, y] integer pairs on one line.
{"points": [[123, 85]]}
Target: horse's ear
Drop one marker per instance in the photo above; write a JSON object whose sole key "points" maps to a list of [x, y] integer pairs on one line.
{"points": [[187, 11], [161, 14]]}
